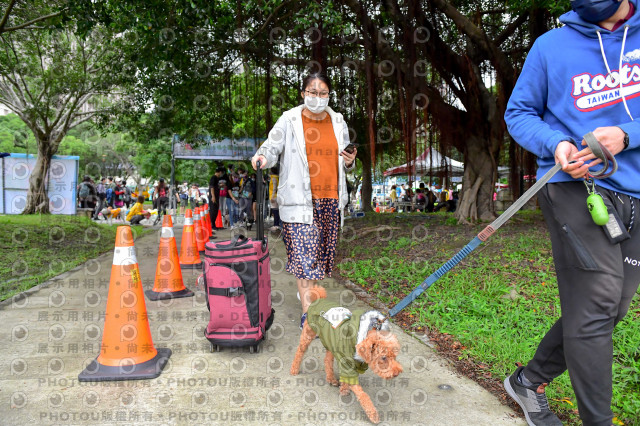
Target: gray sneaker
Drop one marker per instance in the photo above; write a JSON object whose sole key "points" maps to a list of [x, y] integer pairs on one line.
{"points": [[532, 400]]}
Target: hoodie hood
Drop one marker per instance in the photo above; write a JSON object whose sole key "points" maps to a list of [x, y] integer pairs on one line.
{"points": [[588, 29]]}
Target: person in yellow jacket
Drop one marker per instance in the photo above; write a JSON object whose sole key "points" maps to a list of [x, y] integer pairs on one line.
{"points": [[137, 212]]}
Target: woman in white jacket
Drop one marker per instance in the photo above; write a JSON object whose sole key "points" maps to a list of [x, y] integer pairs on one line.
{"points": [[309, 141]]}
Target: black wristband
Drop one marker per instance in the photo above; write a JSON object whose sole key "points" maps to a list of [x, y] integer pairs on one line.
{"points": [[625, 140]]}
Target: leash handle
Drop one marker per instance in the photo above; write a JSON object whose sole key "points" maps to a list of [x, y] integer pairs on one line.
{"points": [[601, 152]]}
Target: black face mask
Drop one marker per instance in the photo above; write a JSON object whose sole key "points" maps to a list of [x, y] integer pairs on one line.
{"points": [[595, 11]]}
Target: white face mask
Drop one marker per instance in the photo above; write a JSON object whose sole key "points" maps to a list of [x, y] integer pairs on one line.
{"points": [[316, 104]]}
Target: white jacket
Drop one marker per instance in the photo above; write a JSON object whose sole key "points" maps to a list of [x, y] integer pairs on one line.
{"points": [[286, 141]]}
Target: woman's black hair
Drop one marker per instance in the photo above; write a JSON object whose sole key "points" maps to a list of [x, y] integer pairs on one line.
{"points": [[318, 75]]}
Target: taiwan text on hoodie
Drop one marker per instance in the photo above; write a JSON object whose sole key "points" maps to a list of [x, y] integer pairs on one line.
{"points": [[565, 90]]}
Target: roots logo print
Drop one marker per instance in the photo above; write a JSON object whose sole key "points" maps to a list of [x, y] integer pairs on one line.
{"points": [[58, 170], [592, 92], [20, 171]]}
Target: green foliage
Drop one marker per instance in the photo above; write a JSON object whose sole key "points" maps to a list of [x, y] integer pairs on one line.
{"points": [[30, 248], [108, 155]]}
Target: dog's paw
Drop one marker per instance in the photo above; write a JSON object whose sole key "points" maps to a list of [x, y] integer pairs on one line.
{"points": [[344, 389], [294, 370], [333, 382], [374, 417]]}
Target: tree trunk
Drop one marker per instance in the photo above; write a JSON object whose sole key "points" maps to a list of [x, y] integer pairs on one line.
{"points": [[367, 177], [476, 201], [37, 198]]}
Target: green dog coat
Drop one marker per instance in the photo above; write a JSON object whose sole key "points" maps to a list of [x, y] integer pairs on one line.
{"points": [[340, 330]]}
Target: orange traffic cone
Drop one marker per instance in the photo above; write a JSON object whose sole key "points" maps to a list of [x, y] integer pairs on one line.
{"points": [[204, 219], [189, 257], [127, 351], [168, 283], [219, 224], [201, 234], [207, 221]]}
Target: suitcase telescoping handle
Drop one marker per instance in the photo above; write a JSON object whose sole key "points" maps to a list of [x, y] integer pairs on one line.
{"points": [[260, 206]]}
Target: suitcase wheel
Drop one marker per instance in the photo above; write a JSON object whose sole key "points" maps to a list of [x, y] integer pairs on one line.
{"points": [[254, 348], [215, 348]]}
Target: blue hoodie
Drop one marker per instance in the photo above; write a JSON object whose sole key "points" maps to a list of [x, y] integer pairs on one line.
{"points": [[565, 91]]}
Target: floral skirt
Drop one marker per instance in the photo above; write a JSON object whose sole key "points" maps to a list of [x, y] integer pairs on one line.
{"points": [[311, 249]]}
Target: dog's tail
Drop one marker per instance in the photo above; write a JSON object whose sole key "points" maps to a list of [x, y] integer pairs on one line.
{"points": [[316, 293]]}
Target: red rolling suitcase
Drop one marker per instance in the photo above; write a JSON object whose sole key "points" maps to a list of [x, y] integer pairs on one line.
{"points": [[237, 282]]}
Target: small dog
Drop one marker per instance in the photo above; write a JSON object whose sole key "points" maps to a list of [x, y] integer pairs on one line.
{"points": [[357, 340], [110, 214]]}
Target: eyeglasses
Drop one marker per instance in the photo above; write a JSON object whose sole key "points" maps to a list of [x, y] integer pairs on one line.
{"points": [[315, 94]]}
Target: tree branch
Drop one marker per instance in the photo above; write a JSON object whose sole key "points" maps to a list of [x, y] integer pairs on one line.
{"points": [[510, 29], [6, 15], [33, 21]]}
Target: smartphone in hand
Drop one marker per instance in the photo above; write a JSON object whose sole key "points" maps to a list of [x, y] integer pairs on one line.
{"points": [[350, 148]]}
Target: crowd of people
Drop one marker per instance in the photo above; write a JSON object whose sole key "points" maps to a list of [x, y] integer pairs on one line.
{"points": [[106, 193], [423, 199], [231, 190]]}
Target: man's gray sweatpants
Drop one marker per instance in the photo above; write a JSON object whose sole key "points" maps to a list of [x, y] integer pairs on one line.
{"points": [[596, 280]]}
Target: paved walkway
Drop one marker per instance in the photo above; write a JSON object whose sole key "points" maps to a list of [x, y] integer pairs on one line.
{"points": [[52, 332]]}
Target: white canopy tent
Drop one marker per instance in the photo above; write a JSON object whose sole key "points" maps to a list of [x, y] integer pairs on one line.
{"points": [[430, 161]]}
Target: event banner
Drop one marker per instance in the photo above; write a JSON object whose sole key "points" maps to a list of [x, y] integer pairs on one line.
{"points": [[61, 186], [215, 149]]}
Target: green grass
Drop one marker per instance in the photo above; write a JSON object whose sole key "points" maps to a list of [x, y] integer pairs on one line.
{"points": [[497, 303], [36, 248]]}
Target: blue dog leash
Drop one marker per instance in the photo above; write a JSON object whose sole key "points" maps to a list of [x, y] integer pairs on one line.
{"points": [[599, 151]]}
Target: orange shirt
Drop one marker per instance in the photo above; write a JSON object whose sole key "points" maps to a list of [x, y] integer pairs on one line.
{"points": [[322, 155]]}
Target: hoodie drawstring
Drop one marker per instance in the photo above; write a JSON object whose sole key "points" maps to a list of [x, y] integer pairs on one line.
{"points": [[606, 64], [624, 100]]}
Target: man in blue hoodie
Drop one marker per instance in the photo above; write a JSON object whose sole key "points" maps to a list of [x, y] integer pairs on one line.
{"points": [[583, 77]]}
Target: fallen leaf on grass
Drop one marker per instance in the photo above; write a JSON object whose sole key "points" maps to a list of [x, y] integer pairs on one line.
{"points": [[567, 400]]}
